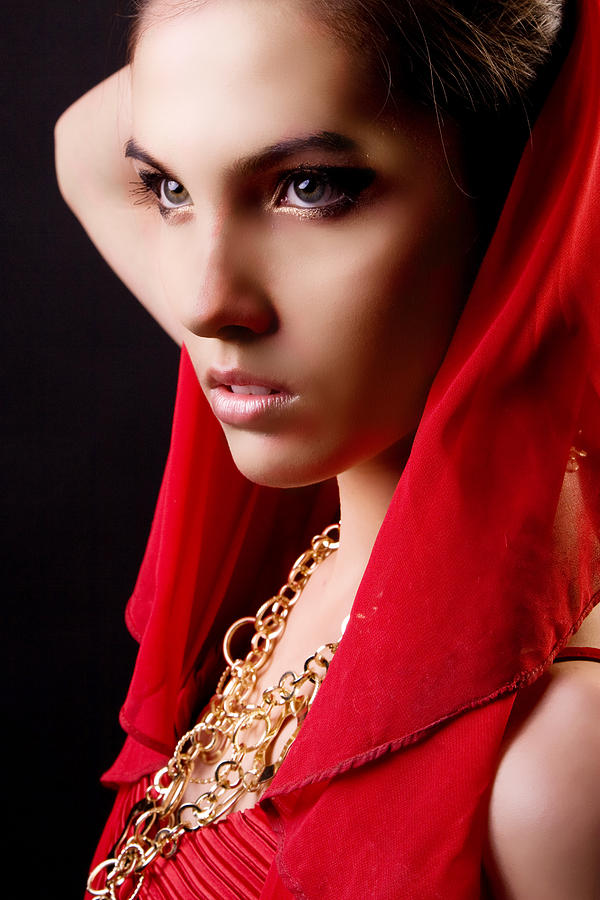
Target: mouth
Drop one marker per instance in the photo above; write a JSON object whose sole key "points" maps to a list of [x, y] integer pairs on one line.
{"points": [[254, 389], [245, 399], [239, 381]]}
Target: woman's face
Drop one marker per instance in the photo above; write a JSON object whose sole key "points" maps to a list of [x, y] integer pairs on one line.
{"points": [[317, 254]]}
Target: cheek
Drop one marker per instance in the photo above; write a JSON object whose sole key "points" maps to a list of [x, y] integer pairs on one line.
{"points": [[377, 297], [177, 257]]}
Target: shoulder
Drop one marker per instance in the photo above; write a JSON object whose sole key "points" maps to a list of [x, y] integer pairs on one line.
{"points": [[544, 816]]}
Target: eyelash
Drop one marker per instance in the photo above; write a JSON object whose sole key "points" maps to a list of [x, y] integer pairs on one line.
{"points": [[348, 181]]}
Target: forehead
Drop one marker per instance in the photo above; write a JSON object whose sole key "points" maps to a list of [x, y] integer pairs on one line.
{"points": [[234, 73]]}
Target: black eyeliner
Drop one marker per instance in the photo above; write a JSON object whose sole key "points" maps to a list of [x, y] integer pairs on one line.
{"points": [[351, 180], [148, 189]]}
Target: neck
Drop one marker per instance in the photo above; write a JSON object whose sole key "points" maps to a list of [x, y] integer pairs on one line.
{"points": [[365, 494]]}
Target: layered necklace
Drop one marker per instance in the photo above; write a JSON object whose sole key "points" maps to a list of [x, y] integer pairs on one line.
{"points": [[236, 735]]}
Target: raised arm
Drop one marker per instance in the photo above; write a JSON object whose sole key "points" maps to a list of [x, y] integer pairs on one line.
{"points": [[94, 179]]}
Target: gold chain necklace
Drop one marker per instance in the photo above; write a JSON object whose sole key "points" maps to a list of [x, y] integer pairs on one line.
{"points": [[237, 732]]}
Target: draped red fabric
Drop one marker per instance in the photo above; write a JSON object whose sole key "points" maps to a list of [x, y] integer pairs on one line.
{"points": [[471, 588], [217, 546]]}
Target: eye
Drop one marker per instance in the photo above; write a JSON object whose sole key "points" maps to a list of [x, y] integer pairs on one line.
{"points": [[173, 194], [310, 189], [158, 190], [322, 190]]}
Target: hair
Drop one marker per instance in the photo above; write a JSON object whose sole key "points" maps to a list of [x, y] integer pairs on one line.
{"points": [[485, 65], [463, 56]]}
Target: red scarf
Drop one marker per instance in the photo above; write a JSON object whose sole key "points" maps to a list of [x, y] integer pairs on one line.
{"points": [[471, 588]]}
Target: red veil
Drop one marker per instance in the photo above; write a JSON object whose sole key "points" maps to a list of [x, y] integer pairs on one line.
{"points": [[472, 587]]}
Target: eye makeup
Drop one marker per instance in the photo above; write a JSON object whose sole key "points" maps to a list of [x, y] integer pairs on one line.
{"points": [[345, 183], [342, 185], [149, 191]]}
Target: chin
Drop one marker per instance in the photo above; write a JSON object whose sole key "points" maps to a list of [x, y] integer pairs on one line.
{"points": [[271, 464], [278, 475]]}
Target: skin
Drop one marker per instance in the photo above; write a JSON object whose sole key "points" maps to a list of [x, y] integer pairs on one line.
{"points": [[544, 817], [346, 311]]}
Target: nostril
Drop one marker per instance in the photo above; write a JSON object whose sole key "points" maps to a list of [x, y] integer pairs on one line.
{"points": [[238, 333]]}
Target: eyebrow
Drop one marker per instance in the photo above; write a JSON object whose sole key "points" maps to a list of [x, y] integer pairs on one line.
{"points": [[329, 141]]}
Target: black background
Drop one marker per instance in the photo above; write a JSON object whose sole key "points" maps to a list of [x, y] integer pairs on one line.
{"points": [[87, 393]]}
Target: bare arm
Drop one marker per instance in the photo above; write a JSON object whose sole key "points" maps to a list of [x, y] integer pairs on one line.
{"points": [[94, 179], [544, 824]]}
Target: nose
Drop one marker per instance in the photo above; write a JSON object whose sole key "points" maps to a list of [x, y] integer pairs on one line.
{"points": [[227, 297]]}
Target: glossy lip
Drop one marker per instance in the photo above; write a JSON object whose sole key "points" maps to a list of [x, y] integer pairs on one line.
{"points": [[245, 409]]}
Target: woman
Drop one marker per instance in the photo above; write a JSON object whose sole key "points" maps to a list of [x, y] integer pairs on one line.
{"points": [[314, 190]]}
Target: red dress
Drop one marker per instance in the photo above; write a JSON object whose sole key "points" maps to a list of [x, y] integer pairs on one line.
{"points": [[234, 859]]}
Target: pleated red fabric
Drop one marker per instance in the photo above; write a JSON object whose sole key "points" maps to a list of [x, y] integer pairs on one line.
{"points": [[229, 861], [232, 860], [471, 588]]}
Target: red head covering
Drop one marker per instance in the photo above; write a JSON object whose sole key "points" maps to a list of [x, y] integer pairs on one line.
{"points": [[471, 588]]}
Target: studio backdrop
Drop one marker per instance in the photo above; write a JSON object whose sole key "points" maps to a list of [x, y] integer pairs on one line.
{"points": [[87, 393]]}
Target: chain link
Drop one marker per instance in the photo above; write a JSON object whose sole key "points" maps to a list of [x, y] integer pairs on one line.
{"points": [[237, 731]]}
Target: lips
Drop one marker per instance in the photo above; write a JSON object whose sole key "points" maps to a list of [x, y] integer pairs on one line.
{"points": [[246, 399]]}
